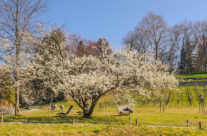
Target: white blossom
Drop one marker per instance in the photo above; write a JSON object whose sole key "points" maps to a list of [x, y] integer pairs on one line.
{"points": [[86, 79]]}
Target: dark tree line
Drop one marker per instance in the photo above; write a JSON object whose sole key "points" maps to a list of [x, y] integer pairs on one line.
{"points": [[183, 47]]}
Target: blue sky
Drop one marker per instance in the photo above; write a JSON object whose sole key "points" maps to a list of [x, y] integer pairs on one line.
{"points": [[112, 19]]}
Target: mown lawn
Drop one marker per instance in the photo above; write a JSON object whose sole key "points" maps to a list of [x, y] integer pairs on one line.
{"points": [[146, 115], [49, 130], [173, 116], [93, 130], [109, 122]]}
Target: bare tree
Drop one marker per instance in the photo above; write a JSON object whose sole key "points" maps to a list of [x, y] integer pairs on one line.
{"points": [[150, 34], [155, 27], [16, 21], [189, 38], [201, 56], [137, 40], [173, 47]]}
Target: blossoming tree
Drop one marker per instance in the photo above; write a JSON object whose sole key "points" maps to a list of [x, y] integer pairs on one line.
{"points": [[85, 79]]}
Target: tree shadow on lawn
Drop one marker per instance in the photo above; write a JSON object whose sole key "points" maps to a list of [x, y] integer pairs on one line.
{"points": [[111, 119]]}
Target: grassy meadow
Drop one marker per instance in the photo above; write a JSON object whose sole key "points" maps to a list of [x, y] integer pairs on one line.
{"points": [[94, 130], [150, 122], [107, 121]]}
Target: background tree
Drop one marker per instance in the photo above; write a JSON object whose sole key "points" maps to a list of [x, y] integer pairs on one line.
{"points": [[52, 43], [173, 47], [6, 85], [188, 44], [181, 47], [151, 33], [137, 40], [80, 49], [202, 54], [201, 48], [17, 20]]}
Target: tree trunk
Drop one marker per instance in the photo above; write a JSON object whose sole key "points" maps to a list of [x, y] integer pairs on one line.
{"points": [[160, 105], [156, 51], [88, 111], [17, 92], [17, 110], [163, 106], [17, 65], [204, 107], [178, 98], [200, 104], [51, 99], [87, 114], [168, 98], [161, 100], [199, 107], [189, 97]]}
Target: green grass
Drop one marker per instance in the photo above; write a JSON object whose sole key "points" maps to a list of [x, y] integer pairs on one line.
{"points": [[194, 80], [174, 115], [193, 75], [93, 130], [147, 115], [109, 122]]}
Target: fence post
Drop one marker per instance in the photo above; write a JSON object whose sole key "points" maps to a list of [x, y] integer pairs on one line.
{"points": [[129, 120], [25, 119], [100, 107], [136, 122], [2, 118], [200, 125], [74, 121], [187, 122]]}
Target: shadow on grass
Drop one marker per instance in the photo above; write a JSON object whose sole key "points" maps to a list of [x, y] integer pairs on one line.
{"points": [[112, 119]]}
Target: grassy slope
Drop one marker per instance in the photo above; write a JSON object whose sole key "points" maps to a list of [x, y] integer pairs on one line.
{"points": [[193, 75], [184, 97]]}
